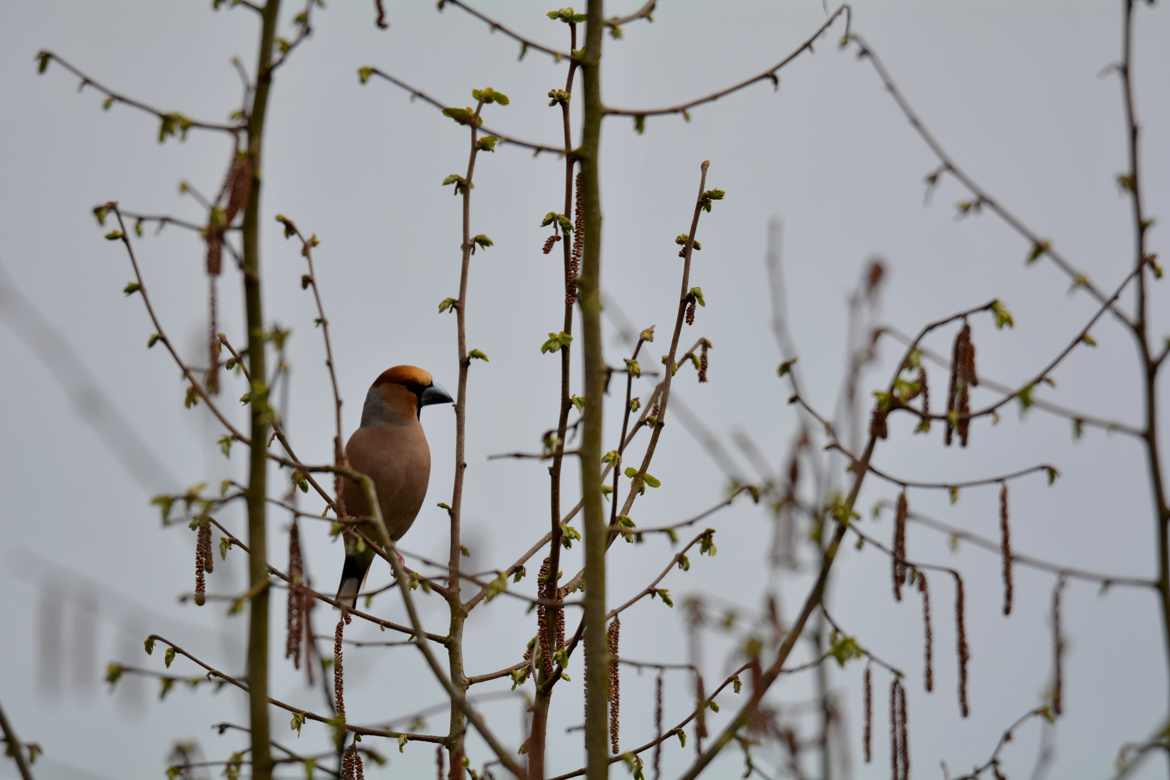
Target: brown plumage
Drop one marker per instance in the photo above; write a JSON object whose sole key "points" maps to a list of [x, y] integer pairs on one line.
{"points": [[391, 449]]}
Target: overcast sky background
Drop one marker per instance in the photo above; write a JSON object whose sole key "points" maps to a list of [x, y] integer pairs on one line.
{"points": [[1012, 90]]}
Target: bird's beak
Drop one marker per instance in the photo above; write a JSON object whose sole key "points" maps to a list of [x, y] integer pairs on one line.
{"points": [[434, 395]]}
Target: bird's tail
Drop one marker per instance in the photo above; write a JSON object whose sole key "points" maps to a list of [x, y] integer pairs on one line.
{"points": [[353, 574]]}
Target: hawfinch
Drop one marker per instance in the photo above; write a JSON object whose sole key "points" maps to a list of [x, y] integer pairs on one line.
{"points": [[391, 449]]}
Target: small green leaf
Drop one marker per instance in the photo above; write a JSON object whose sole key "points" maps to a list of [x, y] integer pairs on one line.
{"points": [[148, 645], [463, 116], [555, 342], [482, 241], [447, 304], [489, 95], [1025, 397], [169, 657], [364, 73], [1003, 317], [298, 720], [844, 648], [566, 15], [487, 143], [709, 196], [476, 354], [785, 368]]}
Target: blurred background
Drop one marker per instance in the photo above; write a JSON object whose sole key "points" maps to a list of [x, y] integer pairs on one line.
{"points": [[94, 423]]}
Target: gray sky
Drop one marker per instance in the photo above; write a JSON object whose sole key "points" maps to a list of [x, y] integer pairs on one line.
{"points": [[1013, 93]]}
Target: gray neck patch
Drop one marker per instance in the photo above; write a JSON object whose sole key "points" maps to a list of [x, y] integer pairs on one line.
{"points": [[375, 411]]}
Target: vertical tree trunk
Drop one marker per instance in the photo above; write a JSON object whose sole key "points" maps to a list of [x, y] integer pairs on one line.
{"points": [[596, 654], [261, 753]]}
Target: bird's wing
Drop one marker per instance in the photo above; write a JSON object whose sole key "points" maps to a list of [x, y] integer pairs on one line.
{"points": [[398, 460]]}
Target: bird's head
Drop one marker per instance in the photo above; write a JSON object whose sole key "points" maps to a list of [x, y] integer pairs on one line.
{"points": [[399, 394]]}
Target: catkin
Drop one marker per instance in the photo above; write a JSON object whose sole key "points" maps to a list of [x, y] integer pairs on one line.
{"points": [[964, 650], [903, 734], [612, 637], [658, 725], [351, 766], [548, 633], [578, 242], [1005, 549], [339, 672], [867, 739], [898, 564], [895, 755], [201, 563], [294, 618], [928, 631]]}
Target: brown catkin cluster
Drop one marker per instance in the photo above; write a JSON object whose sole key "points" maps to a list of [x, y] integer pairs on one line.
{"points": [[1057, 651], [899, 558], [928, 631], [612, 637], [895, 755], [544, 614], [550, 242], [351, 766], [1005, 547], [867, 739], [578, 241], [703, 363], [690, 315], [339, 672], [294, 619], [239, 187], [212, 336], [440, 763], [963, 378], [903, 734], [201, 556], [658, 682], [961, 641]]}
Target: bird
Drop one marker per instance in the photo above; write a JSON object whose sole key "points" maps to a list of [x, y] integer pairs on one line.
{"points": [[391, 449]]}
